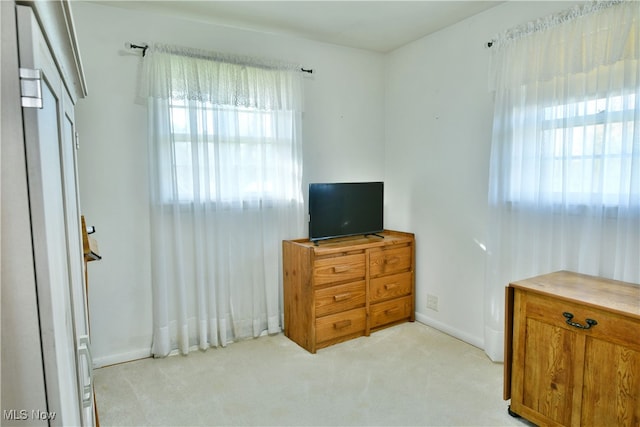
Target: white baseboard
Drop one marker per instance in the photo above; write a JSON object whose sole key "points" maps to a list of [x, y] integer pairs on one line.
{"points": [[114, 359], [456, 333]]}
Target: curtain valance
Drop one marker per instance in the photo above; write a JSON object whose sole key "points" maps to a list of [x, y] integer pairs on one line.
{"points": [[597, 39], [171, 72]]}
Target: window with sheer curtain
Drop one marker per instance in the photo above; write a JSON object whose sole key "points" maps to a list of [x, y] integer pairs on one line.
{"points": [[584, 157], [564, 189], [251, 145], [225, 162]]}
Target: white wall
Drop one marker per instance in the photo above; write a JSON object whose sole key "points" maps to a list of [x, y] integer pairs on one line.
{"points": [[438, 139], [432, 151], [343, 137]]}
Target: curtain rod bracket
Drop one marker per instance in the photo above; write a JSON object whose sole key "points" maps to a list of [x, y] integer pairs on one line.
{"points": [[135, 46]]}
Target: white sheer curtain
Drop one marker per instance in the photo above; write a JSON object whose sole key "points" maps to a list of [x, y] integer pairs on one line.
{"points": [[225, 180], [564, 190]]}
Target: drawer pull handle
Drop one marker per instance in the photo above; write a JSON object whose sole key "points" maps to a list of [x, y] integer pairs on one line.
{"points": [[389, 286], [341, 297], [392, 260], [341, 268], [391, 310], [569, 316], [342, 324]]}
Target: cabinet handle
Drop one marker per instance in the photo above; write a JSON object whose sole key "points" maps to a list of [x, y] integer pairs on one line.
{"points": [[341, 297], [389, 286], [392, 260], [341, 268], [343, 324], [569, 316]]}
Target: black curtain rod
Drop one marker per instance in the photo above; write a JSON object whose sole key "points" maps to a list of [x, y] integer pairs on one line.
{"points": [[145, 47]]}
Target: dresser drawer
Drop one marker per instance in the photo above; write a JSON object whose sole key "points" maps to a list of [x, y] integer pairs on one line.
{"points": [[387, 261], [609, 327], [390, 311], [341, 324], [340, 298], [339, 269], [387, 287]]}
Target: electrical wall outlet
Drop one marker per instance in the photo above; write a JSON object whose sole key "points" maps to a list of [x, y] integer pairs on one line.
{"points": [[432, 302]]}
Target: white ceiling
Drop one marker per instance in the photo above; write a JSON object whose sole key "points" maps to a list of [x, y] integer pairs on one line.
{"points": [[379, 26]]}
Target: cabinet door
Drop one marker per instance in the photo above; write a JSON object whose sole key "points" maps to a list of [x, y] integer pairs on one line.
{"points": [[53, 200], [549, 362], [611, 384], [546, 365]]}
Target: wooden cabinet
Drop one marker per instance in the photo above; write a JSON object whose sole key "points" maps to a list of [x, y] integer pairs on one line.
{"points": [[345, 288], [572, 350]]}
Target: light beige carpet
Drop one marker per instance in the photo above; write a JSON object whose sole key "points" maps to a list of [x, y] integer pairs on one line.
{"points": [[407, 375]]}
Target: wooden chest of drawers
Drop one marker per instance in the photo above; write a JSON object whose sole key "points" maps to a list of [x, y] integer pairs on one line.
{"points": [[572, 350], [346, 288]]}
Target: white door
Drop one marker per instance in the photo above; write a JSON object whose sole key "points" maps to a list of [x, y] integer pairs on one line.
{"points": [[50, 151]]}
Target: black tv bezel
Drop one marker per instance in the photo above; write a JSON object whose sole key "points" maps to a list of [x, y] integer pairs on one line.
{"points": [[367, 233]]}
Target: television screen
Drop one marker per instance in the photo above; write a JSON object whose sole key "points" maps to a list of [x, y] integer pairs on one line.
{"points": [[345, 209]]}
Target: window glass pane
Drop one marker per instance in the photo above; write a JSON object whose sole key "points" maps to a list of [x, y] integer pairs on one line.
{"points": [[229, 154], [584, 149], [183, 170]]}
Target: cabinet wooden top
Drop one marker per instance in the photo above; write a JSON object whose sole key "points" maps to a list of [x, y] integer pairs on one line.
{"points": [[614, 295], [341, 244]]}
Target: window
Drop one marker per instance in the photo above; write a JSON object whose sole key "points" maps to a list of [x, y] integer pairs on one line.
{"points": [[583, 156], [225, 166], [230, 154]]}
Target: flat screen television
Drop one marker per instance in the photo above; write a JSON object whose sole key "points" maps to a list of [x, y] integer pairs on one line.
{"points": [[345, 209]]}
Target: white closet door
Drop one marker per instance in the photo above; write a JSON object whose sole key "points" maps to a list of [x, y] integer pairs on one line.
{"points": [[49, 136], [76, 262]]}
